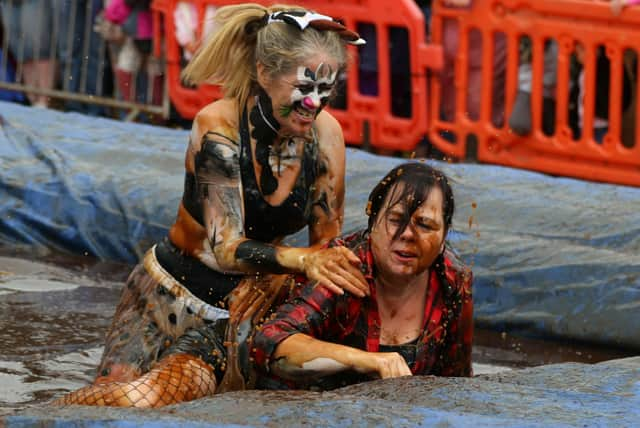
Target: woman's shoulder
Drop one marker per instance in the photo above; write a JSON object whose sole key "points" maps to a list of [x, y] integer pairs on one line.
{"points": [[331, 146], [220, 116], [458, 274], [328, 129]]}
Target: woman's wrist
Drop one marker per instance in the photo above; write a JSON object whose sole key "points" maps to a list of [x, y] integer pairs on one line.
{"points": [[293, 258], [301, 262], [359, 360]]}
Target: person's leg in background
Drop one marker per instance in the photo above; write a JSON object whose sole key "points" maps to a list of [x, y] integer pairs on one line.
{"points": [[28, 26], [8, 70], [520, 119]]}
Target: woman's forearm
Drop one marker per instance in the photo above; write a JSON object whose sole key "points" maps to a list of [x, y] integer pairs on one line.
{"points": [[336, 268], [248, 255], [301, 356]]}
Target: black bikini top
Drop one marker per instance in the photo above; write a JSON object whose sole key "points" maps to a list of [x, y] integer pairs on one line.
{"points": [[265, 222], [407, 350]]}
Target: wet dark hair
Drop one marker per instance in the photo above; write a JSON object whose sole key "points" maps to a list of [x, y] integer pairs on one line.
{"points": [[419, 180]]}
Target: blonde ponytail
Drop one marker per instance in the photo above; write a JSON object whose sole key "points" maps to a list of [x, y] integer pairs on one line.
{"points": [[242, 38]]}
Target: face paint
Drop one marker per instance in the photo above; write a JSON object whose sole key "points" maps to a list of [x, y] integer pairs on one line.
{"points": [[313, 89], [298, 96]]}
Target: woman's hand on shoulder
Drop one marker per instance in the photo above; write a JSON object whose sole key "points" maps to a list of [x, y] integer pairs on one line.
{"points": [[337, 268]]}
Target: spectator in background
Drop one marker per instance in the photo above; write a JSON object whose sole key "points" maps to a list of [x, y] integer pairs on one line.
{"points": [[186, 24], [8, 72], [618, 5], [602, 88], [127, 24], [83, 64], [425, 7], [399, 63], [450, 40], [520, 119], [28, 26]]}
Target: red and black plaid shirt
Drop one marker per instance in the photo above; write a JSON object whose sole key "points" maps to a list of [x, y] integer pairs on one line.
{"points": [[443, 348]]}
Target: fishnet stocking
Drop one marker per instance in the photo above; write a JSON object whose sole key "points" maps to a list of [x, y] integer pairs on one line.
{"points": [[176, 378]]}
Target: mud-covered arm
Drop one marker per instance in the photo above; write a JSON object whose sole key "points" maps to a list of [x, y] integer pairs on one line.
{"points": [[327, 209], [217, 170], [337, 268], [215, 162], [302, 356], [219, 187], [300, 342]]}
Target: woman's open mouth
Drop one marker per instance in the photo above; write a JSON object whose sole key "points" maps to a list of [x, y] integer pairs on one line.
{"points": [[304, 114], [404, 255]]}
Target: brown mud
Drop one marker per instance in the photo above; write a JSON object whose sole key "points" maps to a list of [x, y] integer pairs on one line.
{"points": [[55, 310]]}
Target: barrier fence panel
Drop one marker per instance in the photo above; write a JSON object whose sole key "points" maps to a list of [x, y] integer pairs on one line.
{"points": [[547, 85], [384, 105], [66, 50]]}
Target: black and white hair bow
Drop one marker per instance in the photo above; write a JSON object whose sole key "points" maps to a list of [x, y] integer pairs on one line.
{"points": [[303, 19]]}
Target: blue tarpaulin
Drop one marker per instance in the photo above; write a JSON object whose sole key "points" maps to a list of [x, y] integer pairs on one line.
{"points": [[562, 395], [552, 256]]}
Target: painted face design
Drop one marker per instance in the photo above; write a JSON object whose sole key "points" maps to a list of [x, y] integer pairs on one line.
{"points": [[312, 90]]}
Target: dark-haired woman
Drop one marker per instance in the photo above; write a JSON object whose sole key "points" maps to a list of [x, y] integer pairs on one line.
{"points": [[418, 317]]}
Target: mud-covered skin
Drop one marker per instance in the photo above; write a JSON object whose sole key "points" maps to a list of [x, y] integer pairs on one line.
{"points": [[206, 358], [258, 254], [211, 209], [154, 311], [212, 219], [207, 161], [218, 183], [327, 199], [311, 370]]}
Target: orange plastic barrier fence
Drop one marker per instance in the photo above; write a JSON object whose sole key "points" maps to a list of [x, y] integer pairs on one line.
{"points": [[581, 30], [364, 118]]}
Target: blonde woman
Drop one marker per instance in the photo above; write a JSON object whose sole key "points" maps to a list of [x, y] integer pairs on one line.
{"points": [[262, 163]]}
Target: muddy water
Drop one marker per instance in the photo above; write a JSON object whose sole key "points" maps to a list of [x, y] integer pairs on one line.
{"points": [[55, 310]]}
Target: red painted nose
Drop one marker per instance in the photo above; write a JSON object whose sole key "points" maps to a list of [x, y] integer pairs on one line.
{"points": [[309, 103]]}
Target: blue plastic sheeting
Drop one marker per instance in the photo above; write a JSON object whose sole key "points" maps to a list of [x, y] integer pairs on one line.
{"points": [[551, 256], [563, 395]]}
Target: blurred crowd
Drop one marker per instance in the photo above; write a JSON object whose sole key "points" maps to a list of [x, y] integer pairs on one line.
{"points": [[103, 48], [92, 47]]}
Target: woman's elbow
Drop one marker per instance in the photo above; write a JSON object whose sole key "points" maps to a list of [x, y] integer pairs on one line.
{"points": [[224, 258]]}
